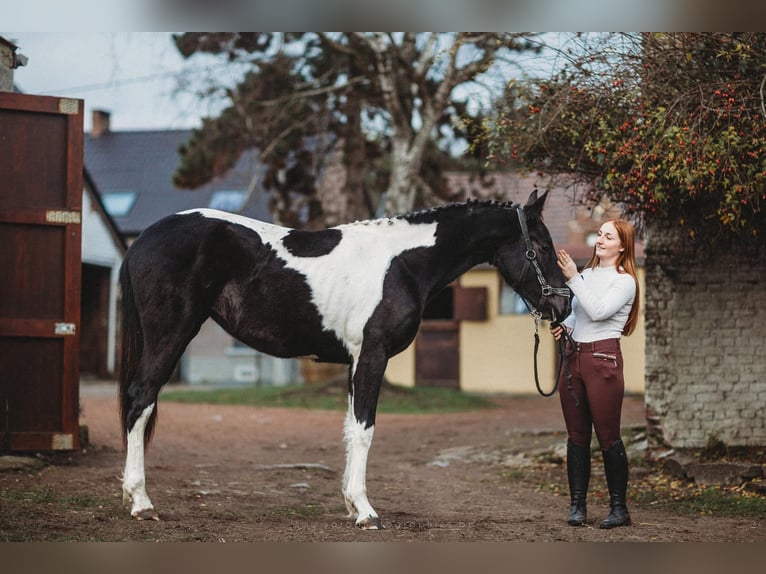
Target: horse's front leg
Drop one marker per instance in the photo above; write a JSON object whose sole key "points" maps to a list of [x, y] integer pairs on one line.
{"points": [[134, 478], [359, 427]]}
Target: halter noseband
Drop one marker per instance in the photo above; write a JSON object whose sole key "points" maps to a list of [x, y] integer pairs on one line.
{"points": [[531, 258]]}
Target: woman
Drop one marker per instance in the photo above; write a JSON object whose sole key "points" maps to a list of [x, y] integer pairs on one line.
{"points": [[605, 306]]}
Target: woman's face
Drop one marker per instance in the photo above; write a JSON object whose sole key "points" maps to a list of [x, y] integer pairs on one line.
{"points": [[608, 244]]}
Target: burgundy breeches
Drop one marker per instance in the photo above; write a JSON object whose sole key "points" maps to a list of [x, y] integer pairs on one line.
{"points": [[594, 400]]}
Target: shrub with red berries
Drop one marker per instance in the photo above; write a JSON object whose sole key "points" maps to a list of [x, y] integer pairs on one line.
{"points": [[671, 126]]}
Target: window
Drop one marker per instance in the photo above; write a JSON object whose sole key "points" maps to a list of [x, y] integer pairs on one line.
{"points": [[511, 302], [239, 349], [119, 203], [441, 306], [227, 200]]}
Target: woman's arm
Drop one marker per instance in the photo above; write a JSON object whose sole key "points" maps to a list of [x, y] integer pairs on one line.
{"points": [[600, 306]]}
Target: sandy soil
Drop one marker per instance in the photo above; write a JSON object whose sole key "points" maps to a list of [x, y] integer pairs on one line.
{"points": [[212, 477]]}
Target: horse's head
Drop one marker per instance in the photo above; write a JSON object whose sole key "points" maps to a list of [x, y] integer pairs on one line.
{"points": [[527, 262]]}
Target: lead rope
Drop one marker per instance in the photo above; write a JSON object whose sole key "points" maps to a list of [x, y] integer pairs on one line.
{"points": [[537, 315], [545, 291], [565, 342]]}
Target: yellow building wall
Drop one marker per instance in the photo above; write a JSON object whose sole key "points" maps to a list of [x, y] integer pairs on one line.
{"points": [[496, 355], [401, 368]]}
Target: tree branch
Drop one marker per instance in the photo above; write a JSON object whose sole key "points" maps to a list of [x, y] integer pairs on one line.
{"points": [[763, 105], [314, 92], [385, 74]]}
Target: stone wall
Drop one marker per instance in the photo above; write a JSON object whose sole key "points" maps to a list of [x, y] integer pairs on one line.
{"points": [[705, 343]]}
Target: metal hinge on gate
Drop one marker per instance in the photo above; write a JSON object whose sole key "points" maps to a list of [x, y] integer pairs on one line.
{"points": [[62, 441], [62, 216], [64, 329], [69, 106]]}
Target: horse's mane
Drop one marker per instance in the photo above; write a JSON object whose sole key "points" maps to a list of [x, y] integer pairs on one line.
{"points": [[432, 213]]}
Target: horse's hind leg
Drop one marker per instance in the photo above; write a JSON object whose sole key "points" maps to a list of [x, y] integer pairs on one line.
{"points": [[139, 410], [359, 427], [158, 359], [134, 479]]}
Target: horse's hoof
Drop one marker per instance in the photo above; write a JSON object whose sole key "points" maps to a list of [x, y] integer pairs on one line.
{"points": [[148, 514], [370, 523]]}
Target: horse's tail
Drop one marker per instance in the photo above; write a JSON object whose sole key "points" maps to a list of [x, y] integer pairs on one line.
{"points": [[132, 342]]}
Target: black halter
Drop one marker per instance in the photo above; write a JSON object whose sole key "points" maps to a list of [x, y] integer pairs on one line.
{"points": [[546, 292]]}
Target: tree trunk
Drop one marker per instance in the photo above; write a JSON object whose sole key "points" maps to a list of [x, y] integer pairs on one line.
{"points": [[355, 160], [401, 192]]}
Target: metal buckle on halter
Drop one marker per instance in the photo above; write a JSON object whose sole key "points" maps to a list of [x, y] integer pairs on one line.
{"points": [[531, 254]]}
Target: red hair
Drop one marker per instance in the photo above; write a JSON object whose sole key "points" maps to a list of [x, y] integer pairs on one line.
{"points": [[626, 263]]}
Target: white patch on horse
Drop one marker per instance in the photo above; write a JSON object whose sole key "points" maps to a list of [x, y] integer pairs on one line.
{"points": [[134, 480], [358, 440], [347, 283]]}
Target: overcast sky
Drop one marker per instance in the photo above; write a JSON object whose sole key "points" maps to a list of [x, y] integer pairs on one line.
{"points": [[139, 77], [134, 75]]}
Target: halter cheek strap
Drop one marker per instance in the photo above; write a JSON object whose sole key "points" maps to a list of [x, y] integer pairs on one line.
{"points": [[546, 290]]}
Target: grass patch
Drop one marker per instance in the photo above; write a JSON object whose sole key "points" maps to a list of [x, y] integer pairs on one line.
{"points": [[690, 498], [46, 496], [333, 396], [301, 511]]}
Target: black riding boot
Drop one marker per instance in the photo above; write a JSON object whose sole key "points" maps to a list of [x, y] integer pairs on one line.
{"points": [[616, 468], [578, 472]]}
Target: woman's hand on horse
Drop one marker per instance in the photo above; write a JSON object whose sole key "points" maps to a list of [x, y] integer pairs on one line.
{"points": [[567, 266]]}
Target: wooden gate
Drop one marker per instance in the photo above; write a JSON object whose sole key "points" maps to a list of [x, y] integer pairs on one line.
{"points": [[437, 354], [41, 150], [437, 345]]}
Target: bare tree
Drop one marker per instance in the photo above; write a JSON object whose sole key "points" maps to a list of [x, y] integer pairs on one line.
{"points": [[380, 104]]}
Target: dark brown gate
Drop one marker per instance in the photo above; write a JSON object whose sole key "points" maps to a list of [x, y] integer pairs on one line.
{"points": [[437, 354], [41, 139], [94, 320], [437, 345]]}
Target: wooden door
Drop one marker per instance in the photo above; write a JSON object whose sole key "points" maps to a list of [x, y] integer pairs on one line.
{"points": [[94, 320], [41, 144], [437, 354], [437, 345]]}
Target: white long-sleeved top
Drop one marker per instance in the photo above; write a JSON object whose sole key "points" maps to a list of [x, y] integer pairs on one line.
{"points": [[602, 301]]}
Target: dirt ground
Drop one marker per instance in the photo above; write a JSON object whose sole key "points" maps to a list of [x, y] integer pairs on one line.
{"points": [[213, 475]]}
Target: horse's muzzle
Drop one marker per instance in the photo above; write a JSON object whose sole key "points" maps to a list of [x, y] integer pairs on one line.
{"points": [[558, 308]]}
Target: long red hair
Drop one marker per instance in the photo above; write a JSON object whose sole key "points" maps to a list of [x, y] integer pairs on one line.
{"points": [[626, 263]]}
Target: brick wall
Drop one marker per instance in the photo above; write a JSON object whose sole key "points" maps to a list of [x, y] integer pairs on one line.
{"points": [[705, 343]]}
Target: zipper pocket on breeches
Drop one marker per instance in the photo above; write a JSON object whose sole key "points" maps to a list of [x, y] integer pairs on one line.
{"points": [[605, 357]]}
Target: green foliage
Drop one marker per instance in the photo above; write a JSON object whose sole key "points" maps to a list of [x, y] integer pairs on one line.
{"points": [[671, 126], [333, 396]]}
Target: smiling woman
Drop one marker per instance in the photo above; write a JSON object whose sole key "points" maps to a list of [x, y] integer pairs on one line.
{"points": [[605, 307]]}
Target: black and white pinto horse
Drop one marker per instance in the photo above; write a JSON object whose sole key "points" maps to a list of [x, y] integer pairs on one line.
{"points": [[351, 294]]}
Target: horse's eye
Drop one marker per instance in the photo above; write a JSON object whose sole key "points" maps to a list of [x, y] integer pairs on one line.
{"points": [[545, 248]]}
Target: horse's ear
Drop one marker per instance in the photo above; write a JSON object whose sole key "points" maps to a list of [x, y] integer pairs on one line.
{"points": [[535, 204]]}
